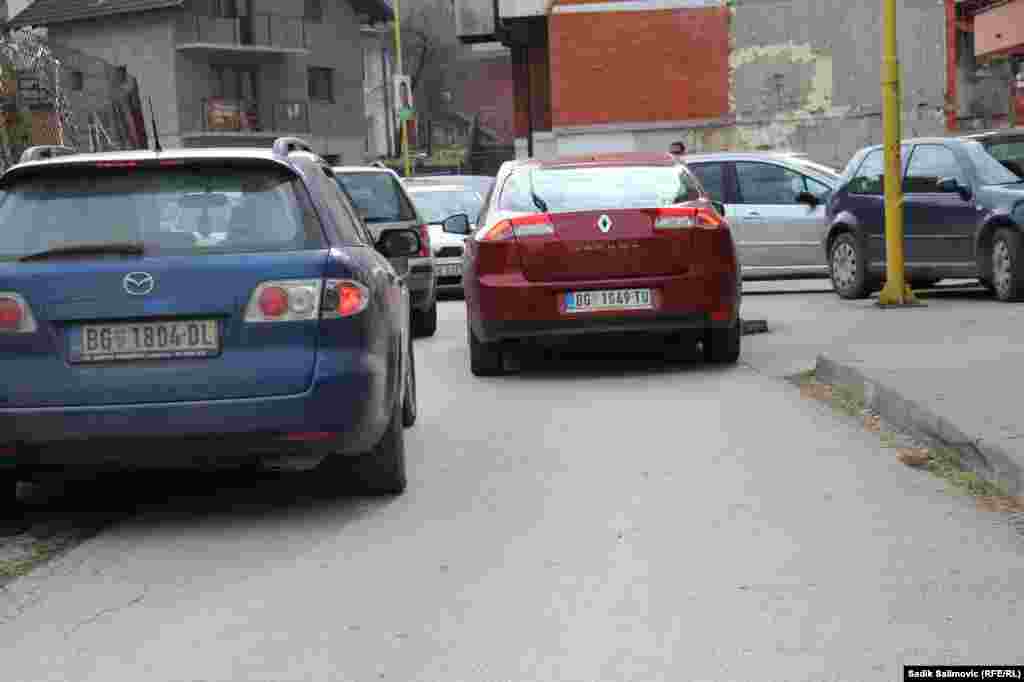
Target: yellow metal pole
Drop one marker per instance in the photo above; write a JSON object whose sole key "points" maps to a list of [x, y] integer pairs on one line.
{"points": [[896, 291], [400, 72]]}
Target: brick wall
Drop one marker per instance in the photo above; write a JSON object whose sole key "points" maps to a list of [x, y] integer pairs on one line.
{"points": [[665, 65]]}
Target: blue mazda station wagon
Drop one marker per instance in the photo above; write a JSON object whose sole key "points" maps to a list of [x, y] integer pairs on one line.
{"points": [[199, 308]]}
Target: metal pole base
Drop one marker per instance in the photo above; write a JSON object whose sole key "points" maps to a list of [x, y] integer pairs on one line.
{"points": [[892, 297]]}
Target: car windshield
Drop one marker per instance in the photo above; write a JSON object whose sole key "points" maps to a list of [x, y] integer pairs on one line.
{"points": [[437, 203], [989, 169], [183, 210], [377, 196], [600, 188]]}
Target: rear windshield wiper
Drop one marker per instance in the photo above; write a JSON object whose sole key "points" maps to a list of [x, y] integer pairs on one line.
{"points": [[98, 249]]}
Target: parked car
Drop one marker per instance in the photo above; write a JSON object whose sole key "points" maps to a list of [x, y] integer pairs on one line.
{"points": [[775, 205], [383, 203], [481, 183], [125, 343], [617, 243], [436, 202], [962, 212]]}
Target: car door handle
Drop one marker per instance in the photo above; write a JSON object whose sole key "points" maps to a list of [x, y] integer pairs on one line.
{"points": [[753, 215]]}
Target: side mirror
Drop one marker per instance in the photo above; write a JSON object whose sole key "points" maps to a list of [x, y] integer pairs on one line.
{"points": [[720, 207], [399, 243], [807, 198], [456, 224]]}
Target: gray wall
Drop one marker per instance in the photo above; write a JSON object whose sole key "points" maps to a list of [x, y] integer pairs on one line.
{"points": [[144, 44], [807, 73]]}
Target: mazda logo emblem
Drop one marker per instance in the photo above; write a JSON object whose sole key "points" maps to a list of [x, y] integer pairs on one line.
{"points": [[604, 223], [139, 283]]}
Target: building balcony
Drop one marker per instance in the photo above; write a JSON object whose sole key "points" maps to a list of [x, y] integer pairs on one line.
{"points": [[219, 117], [268, 34]]}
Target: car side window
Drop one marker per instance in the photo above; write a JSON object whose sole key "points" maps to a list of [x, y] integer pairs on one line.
{"points": [[765, 183], [818, 189], [712, 178], [929, 163], [515, 194], [871, 175]]}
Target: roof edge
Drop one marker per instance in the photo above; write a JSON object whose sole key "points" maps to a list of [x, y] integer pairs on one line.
{"points": [[25, 18]]}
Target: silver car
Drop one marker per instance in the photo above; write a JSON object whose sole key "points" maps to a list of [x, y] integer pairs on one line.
{"points": [[775, 203], [379, 196]]}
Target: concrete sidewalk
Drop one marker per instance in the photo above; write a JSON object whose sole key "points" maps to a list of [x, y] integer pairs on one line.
{"points": [[950, 371]]}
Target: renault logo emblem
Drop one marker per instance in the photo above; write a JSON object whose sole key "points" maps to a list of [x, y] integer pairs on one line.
{"points": [[604, 223], [139, 283]]}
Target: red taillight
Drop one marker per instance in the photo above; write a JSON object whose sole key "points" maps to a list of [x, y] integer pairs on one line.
{"points": [[11, 314], [499, 232], [535, 225], [273, 302], [424, 241], [344, 298], [117, 164], [167, 163], [681, 218]]}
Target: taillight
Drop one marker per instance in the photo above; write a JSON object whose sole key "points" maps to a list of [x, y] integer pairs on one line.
{"points": [[15, 315], [538, 225], [424, 241], [285, 301], [684, 218], [343, 298]]}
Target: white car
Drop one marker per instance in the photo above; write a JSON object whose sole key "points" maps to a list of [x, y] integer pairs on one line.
{"points": [[436, 202]]}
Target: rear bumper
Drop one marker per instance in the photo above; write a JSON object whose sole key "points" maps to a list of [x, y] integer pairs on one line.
{"points": [[345, 410], [508, 307]]}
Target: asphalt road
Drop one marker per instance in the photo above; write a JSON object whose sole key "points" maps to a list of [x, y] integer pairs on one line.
{"points": [[601, 517]]}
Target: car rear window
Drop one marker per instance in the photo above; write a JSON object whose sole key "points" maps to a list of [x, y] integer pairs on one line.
{"points": [[186, 210], [598, 188], [377, 196]]}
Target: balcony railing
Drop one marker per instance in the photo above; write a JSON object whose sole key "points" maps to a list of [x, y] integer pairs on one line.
{"points": [[220, 115], [271, 32]]}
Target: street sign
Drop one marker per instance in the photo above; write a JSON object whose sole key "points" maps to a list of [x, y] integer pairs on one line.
{"points": [[405, 114]]}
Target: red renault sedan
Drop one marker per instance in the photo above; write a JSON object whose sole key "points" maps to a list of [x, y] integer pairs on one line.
{"points": [[623, 243]]}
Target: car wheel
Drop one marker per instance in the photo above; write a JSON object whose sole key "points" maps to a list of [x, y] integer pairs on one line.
{"points": [[722, 346], [425, 321], [409, 405], [1007, 261], [848, 268], [382, 470], [485, 359]]}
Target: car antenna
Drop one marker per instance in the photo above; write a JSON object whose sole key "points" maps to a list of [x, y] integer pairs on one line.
{"points": [[156, 133]]}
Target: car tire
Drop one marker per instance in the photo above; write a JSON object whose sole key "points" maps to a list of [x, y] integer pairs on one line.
{"points": [[847, 267], [382, 470], [485, 359], [424, 322], [722, 346], [410, 406], [1008, 265]]}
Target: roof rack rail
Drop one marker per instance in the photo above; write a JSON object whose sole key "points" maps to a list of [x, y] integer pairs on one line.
{"points": [[283, 146], [45, 151]]}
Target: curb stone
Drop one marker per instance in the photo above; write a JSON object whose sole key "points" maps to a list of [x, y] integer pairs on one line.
{"points": [[986, 459]]}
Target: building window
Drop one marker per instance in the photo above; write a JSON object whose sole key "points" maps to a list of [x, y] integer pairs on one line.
{"points": [[314, 11], [321, 84], [77, 80]]}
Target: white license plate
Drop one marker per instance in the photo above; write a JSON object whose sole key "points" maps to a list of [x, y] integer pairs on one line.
{"points": [[613, 299], [449, 270], [145, 341]]}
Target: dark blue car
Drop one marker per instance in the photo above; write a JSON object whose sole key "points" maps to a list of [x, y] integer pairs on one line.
{"points": [[963, 212], [203, 307]]}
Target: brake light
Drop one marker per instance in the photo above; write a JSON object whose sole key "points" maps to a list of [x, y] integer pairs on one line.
{"points": [[343, 298], [117, 164], [15, 315], [424, 241], [684, 218], [285, 301], [10, 314], [537, 225]]}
